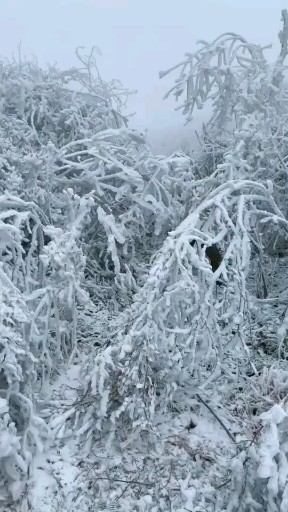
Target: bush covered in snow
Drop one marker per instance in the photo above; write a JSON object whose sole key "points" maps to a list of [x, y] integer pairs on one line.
{"points": [[259, 472], [102, 255], [42, 259], [250, 103]]}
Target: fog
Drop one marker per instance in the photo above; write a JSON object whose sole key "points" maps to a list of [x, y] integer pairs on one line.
{"points": [[137, 38]]}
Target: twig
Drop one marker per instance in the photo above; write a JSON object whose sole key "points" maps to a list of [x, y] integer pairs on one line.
{"points": [[124, 481], [223, 484], [123, 492], [217, 417]]}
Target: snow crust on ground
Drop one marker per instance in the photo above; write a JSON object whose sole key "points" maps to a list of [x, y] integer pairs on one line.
{"points": [[63, 480]]}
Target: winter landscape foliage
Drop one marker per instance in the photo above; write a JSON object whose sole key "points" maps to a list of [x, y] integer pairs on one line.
{"points": [[129, 380]]}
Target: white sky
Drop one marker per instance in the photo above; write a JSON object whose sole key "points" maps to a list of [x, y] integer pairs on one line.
{"points": [[138, 38]]}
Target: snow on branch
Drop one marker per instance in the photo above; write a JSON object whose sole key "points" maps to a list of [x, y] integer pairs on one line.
{"points": [[259, 472], [179, 329], [231, 73]]}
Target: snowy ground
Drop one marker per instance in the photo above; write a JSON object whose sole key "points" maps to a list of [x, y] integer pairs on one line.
{"points": [[186, 460]]}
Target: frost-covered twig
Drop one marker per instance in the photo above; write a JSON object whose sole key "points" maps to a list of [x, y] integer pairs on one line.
{"points": [[216, 416]]}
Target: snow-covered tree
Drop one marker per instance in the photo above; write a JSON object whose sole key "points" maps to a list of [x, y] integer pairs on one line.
{"points": [[249, 103]]}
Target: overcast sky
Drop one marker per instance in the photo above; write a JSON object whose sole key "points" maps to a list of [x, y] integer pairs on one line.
{"points": [[138, 38]]}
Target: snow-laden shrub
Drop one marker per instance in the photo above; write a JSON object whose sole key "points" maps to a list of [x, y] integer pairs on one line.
{"points": [[236, 77], [40, 290], [259, 472], [58, 106], [250, 104], [61, 130], [21, 430], [64, 129], [14, 467], [180, 332]]}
